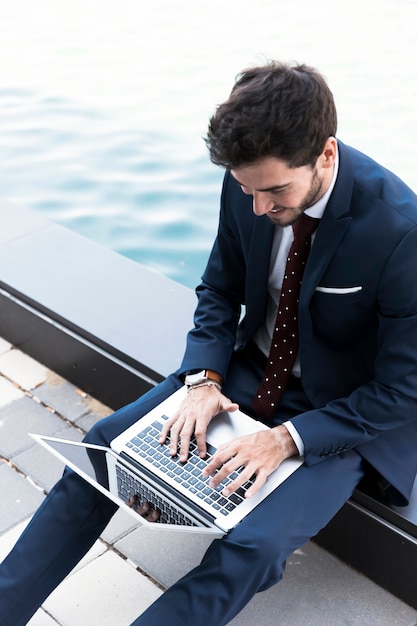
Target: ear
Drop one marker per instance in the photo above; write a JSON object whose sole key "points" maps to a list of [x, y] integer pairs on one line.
{"points": [[328, 156]]}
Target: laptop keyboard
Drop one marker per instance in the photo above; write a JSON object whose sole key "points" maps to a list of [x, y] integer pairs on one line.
{"points": [[189, 475], [129, 486]]}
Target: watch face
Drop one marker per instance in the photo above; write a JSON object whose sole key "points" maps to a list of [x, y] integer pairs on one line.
{"points": [[191, 379]]}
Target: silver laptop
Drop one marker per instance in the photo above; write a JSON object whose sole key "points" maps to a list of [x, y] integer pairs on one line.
{"points": [[137, 465]]}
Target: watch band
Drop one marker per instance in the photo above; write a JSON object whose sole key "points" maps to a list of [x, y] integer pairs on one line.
{"points": [[211, 375], [204, 376]]}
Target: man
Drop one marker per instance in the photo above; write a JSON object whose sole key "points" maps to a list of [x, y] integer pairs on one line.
{"points": [[348, 400]]}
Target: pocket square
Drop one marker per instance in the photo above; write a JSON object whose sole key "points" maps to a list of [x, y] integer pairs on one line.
{"points": [[339, 290]]}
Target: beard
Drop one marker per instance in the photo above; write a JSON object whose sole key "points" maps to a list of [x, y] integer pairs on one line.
{"points": [[285, 216]]}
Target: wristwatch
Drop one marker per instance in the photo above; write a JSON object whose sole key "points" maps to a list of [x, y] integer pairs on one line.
{"points": [[204, 376]]}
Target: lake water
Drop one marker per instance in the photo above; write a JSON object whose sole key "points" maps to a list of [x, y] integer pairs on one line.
{"points": [[103, 106]]}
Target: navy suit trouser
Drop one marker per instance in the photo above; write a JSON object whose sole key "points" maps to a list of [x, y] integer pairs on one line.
{"points": [[250, 558]]}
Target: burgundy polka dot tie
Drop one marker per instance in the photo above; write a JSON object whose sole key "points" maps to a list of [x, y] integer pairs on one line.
{"points": [[284, 345]]}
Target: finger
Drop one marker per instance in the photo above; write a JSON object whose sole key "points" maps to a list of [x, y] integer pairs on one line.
{"points": [[225, 453], [140, 509], [200, 434], [214, 465], [241, 478], [231, 407], [132, 502], [259, 482], [154, 515], [167, 428], [175, 433], [224, 471], [186, 434], [164, 433], [143, 509]]}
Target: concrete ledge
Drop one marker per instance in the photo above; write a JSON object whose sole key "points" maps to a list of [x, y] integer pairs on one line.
{"points": [[97, 318]]}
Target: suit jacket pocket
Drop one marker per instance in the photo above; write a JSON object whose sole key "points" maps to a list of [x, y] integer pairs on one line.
{"points": [[341, 318]]}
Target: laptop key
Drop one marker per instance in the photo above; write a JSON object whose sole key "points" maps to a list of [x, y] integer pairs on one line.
{"points": [[211, 449], [235, 498]]}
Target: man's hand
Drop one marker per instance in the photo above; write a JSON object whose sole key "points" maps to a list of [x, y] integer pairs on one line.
{"points": [[259, 454], [145, 510], [194, 415]]}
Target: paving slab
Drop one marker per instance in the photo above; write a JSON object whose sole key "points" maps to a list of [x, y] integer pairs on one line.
{"points": [[86, 422], [19, 418], [18, 497], [165, 555], [62, 396], [120, 525], [105, 592], [44, 468], [22, 369], [9, 392]]}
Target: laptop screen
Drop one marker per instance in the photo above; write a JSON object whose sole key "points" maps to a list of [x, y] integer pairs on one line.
{"points": [[89, 460], [107, 472]]}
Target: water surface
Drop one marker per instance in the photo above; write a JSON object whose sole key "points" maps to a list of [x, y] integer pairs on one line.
{"points": [[103, 106]]}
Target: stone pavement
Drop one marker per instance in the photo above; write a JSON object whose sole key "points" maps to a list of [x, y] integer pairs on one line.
{"points": [[124, 571]]}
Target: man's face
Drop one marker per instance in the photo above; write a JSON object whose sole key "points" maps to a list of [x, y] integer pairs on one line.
{"points": [[284, 193]]}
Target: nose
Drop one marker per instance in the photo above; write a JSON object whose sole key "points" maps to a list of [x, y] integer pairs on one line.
{"points": [[261, 203]]}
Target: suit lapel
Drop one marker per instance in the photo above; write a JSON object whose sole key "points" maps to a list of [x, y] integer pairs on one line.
{"points": [[332, 228], [257, 276], [328, 237]]}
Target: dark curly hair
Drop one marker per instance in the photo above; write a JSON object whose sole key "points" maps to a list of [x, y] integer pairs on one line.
{"points": [[273, 110]]}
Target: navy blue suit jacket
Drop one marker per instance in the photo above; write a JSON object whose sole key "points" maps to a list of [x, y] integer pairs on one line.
{"points": [[358, 350]]}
